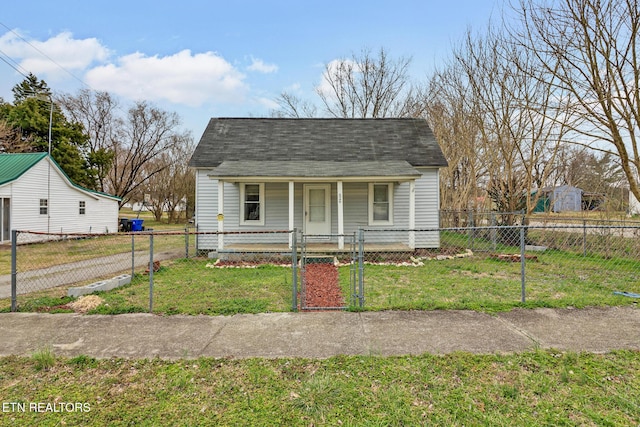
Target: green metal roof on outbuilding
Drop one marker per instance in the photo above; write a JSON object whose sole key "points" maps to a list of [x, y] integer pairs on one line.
{"points": [[14, 165]]}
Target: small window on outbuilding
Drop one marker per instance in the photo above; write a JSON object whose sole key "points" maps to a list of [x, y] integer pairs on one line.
{"points": [[44, 206], [82, 207]]}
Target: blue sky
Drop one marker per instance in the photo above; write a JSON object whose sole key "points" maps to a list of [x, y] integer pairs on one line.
{"points": [[206, 59]]}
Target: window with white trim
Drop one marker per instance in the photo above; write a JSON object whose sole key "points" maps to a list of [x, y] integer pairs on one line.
{"points": [[44, 206], [251, 204], [82, 207], [380, 203]]}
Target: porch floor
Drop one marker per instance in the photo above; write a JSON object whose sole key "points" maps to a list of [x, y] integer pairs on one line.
{"points": [[313, 247]]}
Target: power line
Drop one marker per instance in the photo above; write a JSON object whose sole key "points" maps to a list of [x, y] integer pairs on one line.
{"points": [[13, 64], [41, 53]]}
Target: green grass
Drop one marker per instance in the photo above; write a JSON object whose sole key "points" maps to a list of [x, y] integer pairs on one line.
{"points": [[533, 388], [486, 284], [556, 279], [43, 359], [190, 287]]}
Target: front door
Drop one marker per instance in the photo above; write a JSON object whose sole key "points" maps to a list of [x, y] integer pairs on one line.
{"points": [[317, 209]]}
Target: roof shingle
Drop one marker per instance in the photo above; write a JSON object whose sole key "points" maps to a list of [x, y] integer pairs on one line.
{"points": [[329, 140]]}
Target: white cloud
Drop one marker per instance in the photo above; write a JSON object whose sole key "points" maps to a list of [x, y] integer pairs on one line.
{"points": [[335, 68], [268, 103], [55, 55], [184, 78], [260, 66]]}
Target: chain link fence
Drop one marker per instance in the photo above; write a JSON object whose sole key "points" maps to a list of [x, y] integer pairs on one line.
{"points": [[489, 267], [500, 267], [156, 271]]}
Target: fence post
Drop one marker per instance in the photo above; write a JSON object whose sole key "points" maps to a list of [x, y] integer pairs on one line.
{"points": [[361, 267], [494, 231], [353, 269], [294, 268], [186, 241], [470, 230], [584, 237], [14, 270], [522, 264], [133, 256], [151, 273]]}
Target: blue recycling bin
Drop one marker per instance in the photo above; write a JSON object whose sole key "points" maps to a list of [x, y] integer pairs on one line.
{"points": [[136, 224]]}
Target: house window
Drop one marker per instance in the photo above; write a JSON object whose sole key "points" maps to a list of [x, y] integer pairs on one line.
{"points": [[380, 204], [44, 206], [252, 204], [82, 207]]}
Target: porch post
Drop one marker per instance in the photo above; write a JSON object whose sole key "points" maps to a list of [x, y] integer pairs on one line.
{"points": [[291, 211], [340, 217], [412, 214], [220, 214]]}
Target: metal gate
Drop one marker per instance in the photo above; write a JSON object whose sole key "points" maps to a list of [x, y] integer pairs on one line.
{"points": [[320, 261]]}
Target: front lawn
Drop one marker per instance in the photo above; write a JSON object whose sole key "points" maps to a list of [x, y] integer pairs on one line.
{"points": [[532, 388], [191, 286]]}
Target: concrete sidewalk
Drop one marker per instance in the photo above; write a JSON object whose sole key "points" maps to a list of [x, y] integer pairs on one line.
{"points": [[320, 335]]}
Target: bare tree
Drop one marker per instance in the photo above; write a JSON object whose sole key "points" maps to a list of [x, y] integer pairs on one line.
{"points": [[147, 133], [98, 114], [11, 140], [173, 188], [368, 86], [293, 107], [519, 137], [123, 148], [449, 111], [364, 85], [592, 50]]}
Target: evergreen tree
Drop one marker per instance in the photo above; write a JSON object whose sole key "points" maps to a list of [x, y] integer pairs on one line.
{"points": [[34, 116]]}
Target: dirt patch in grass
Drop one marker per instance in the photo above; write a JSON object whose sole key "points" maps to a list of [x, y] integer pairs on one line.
{"points": [[86, 303]]}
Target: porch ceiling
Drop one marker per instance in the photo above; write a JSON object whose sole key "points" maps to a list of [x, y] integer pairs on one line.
{"points": [[309, 169]]}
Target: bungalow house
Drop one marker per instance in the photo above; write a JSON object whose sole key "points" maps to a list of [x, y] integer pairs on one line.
{"points": [[36, 195], [320, 176]]}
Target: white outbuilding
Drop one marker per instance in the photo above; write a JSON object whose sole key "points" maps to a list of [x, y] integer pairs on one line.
{"points": [[36, 195]]}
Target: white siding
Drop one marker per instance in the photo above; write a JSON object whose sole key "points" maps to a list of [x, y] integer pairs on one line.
{"points": [[276, 214], [44, 181], [355, 211], [428, 208], [206, 209]]}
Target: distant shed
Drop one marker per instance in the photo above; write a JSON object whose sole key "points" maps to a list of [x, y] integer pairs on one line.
{"points": [[564, 198]]}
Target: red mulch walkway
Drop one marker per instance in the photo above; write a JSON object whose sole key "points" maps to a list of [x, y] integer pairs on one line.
{"points": [[322, 287]]}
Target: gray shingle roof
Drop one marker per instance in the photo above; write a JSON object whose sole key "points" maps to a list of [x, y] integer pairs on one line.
{"points": [[329, 140]]}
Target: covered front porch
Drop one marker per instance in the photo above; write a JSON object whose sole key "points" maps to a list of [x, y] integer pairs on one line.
{"points": [[330, 199]]}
